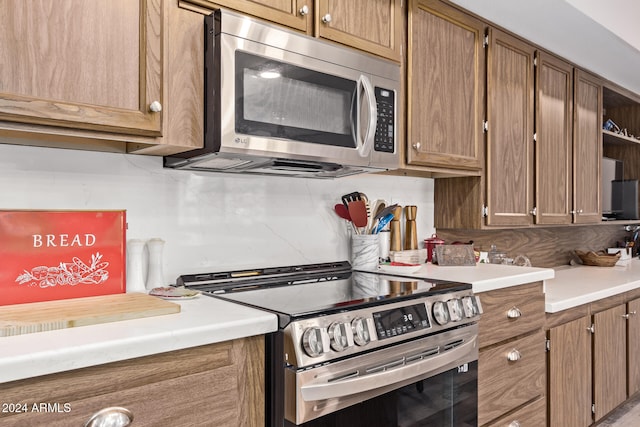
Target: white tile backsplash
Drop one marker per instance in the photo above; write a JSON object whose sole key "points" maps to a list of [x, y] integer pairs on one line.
{"points": [[210, 221]]}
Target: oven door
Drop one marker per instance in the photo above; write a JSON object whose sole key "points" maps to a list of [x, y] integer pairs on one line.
{"points": [[429, 381]]}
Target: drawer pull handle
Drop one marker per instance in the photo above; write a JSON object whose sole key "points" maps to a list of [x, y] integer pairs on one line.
{"points": [[628, 315], [514, 423], [514, 355], [514, 313], [114, 416]]}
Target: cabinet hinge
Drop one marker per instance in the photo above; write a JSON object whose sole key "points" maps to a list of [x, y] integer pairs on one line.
{"points": [[485, 211], [547, 345], [485, 126], [485, 42]]}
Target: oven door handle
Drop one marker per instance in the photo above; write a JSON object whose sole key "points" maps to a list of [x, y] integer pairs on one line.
{"points": [[402, 373]]}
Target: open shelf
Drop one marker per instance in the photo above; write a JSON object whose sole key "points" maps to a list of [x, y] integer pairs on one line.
{"points": [[617, 138]]}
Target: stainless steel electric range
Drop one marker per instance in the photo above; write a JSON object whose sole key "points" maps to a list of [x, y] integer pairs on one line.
{"points": [[360, 348]]}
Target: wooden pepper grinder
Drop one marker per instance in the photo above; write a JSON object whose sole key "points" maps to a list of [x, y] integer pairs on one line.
{"points": [[394, 227], [410, 233]]}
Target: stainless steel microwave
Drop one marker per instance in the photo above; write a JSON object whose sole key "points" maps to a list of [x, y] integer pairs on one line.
{"points": [[280, 102]]}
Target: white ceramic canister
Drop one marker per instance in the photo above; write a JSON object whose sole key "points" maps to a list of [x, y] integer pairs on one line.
{"points": [[155, 278], [135, 268], [365, 250]]}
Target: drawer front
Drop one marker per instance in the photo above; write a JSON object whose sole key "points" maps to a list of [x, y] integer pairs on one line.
{"points": [[510, 312], [505, 384], [531, 415]]}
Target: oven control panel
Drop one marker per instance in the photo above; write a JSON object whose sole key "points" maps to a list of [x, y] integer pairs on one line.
{"points": [[332, 336]]}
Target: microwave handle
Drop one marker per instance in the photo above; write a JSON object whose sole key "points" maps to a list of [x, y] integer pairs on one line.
{"points": [[366, 143]]}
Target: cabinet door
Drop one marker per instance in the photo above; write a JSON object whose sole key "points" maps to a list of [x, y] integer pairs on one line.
{"points": [[633, 346], [445, 87], [569, 374], [371, 25], [85, 65], [609, 360], [292, 13], [587, 146], [553, 145], [510, 130]]}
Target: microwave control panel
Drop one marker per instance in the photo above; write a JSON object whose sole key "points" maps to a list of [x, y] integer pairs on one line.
{"points": [[385, 130]]}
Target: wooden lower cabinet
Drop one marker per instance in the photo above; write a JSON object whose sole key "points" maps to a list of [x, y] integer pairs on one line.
{"points": [[530, 415], [633, 347], [569, 368], [609, 360], [511, 363], [508, 384], [219, 384]]}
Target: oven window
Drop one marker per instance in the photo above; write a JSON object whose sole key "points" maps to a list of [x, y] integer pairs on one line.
{"points": [[448, 399], [280, 100]]}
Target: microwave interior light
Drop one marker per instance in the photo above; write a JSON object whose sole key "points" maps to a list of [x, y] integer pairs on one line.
{"points": [[269, 74]]}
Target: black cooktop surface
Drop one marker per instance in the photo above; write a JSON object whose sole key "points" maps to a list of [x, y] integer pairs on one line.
{"points": [[295, 300]]}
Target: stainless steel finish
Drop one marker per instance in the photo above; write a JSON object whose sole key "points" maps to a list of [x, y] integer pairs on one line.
{"points": [[317, 348], [326, 388], [113, 416], [360, 331], [338, 336], [514, 355], [228, 151], [312, 342], [441, 312], [514, 313]]}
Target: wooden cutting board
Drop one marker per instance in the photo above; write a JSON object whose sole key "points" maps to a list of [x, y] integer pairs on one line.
{"points": [[46, 316]]}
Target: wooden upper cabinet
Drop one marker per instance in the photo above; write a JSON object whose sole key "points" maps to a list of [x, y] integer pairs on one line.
{"points": [[292, 13], [370, 25], [587, 148], [554, 124], [445, 88], [83, 65], [375, 26], [509, 174]]}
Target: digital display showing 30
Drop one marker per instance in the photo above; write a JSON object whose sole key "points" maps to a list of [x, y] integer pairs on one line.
{"points": [[398, 321]]}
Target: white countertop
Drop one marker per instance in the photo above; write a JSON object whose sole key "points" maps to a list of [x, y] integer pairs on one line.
{"points": [[577, 285], [201, 321], [485, 277]]}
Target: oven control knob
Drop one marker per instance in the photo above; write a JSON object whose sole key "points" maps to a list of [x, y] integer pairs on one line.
{"points": [[338, 335], [456, 310], [470, 307], [312, 342], [360, 330], [440, 312]]}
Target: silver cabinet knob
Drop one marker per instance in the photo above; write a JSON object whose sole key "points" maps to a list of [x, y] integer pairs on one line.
{"points": [[304, 10], [514, 313], [114, 416], [155, 106], [628, 315], [326, 18], [416, 146], [514, 355], [514, 423]]}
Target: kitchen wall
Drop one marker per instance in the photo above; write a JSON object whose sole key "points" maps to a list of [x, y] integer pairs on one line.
{"points": [[210, 222]]}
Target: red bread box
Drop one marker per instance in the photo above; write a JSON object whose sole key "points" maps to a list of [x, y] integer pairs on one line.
{"points": [[53, 255]]}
